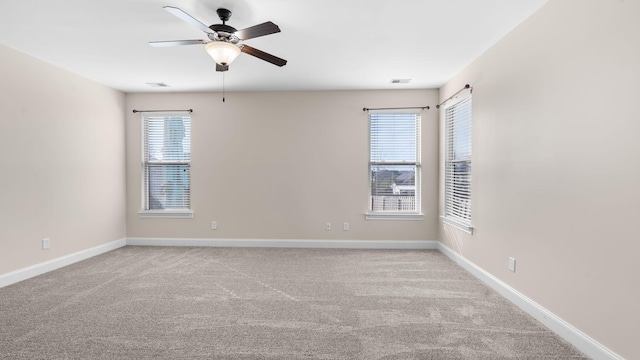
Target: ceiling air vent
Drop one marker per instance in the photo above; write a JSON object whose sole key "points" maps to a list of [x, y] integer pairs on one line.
{"points": [[157, 84], [400, 81]]}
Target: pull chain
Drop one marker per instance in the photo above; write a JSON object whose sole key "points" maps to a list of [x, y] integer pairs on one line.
{"points": [[223, 86]]}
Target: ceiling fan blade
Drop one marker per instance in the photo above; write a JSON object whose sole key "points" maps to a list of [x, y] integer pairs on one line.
{"points": [[176, 43], [257, 30], [187, 18], [222, 67], [263, 55]]}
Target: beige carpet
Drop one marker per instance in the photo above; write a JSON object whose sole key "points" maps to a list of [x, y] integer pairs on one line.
{"points": [[238, 303]]}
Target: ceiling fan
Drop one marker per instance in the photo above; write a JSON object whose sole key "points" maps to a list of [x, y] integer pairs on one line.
{"points": [[224, 45]]}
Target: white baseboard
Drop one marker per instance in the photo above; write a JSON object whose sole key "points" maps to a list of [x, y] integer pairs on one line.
{"points": [[568, 332], [38, 269], [288, 243]]}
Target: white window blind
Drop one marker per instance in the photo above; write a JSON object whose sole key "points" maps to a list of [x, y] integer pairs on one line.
{"points": [[457, 204], [166, 161], [394, 163]]}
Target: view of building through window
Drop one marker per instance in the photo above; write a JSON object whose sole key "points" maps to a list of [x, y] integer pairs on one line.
{"points": [[393, 187]]}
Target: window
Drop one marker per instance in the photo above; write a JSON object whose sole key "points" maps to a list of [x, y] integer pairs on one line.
{"points": [[166, 165], [394, 164], [457, 188]]}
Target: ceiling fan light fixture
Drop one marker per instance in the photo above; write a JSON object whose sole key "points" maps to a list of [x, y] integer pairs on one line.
{"points": [[222, 52]]}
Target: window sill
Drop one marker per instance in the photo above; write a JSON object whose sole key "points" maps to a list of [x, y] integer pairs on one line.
{"points": [[393, 216], [457, 224], [166, 214]]}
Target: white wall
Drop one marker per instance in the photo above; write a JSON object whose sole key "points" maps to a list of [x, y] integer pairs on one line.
{"points": [[556, 173], [279, 165], [62, 146]]}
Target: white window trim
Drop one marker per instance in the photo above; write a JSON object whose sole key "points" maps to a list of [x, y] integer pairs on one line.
{"points": [[464, 227], [165, 213], [410, 216], [393, 216], [460, 224]]}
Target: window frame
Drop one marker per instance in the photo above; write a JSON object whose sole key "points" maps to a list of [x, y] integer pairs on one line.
{"points": [[455, 216], [145, 212], [415, 214]]}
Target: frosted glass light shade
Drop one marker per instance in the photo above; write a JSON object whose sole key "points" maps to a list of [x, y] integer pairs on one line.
{"points": [[222, 52]]}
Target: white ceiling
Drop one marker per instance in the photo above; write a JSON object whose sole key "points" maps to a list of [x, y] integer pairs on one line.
{"points": [[329, 44]]}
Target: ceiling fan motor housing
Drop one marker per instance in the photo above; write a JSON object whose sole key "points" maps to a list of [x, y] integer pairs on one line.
{"points": [[223, 32]]}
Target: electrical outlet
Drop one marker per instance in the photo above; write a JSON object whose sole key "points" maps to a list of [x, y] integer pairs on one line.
{"points": [[214, 225], [345, 226], [46, 243], [327, 226], [512, 264]]}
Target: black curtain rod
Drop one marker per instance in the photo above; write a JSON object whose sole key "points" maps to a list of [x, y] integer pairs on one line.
{"points": [[398, 108], [137, 111], [452, 96]]}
